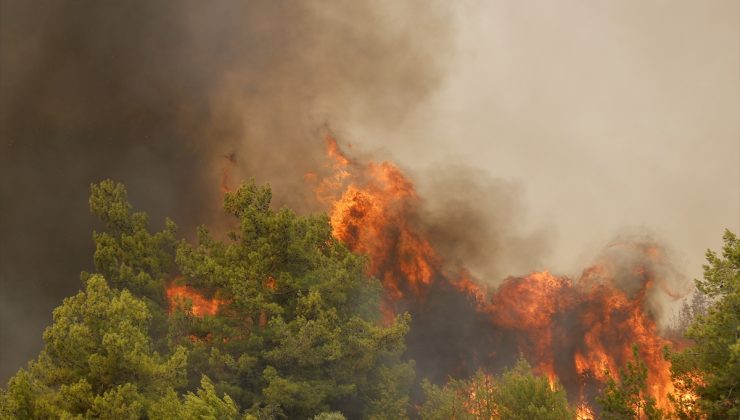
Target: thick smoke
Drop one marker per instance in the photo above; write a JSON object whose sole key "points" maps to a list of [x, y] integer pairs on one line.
{"points": [[639, 248], [475, 220], [157, 94]]}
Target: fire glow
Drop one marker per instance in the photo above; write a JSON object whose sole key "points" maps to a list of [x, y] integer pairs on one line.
{"points": [[199, 305], [571, 330]]}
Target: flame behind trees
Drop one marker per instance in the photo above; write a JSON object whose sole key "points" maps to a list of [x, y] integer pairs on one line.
{"points": [[279, 318], [516, 393], [186, 297], [707, 373], [296, 325], [571, 330]]}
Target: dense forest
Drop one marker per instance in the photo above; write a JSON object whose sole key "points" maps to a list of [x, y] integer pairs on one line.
{"points": [[277, 318]]}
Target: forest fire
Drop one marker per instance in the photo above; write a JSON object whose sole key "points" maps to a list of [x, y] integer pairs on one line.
{"points": [[184, 236], [180, 296], [573, 331], [584, 412], [373, 219]]}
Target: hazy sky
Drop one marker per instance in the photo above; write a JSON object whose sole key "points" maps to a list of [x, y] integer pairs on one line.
{"points": [[608, 115]]}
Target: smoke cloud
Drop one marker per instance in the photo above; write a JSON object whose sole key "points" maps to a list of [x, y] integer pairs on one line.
{"points": [[608, 114], [477, 221], [157, 95], [534, 132]]}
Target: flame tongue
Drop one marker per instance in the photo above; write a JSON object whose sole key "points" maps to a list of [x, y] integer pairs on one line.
{"points": [[594, 326], [569, 330], [371, 211]]}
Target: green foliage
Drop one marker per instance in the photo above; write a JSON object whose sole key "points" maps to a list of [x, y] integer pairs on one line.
{"points": [[127, 254], [441, 403], [389, 391], [628, 398], [691, 309], [710, 368], [522, 395], [205, 404], [98, 361], [299, 332], [334, 415], [516, 394], [460, 399]]}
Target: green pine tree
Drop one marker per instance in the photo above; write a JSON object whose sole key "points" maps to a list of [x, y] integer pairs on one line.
{"points": [[98, 362], [516, 394], [709, 369], [299, 333], [627, 397]]}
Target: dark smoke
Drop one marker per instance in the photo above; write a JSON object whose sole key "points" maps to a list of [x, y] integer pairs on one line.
{"points": [[476, 220], [155, 94]]}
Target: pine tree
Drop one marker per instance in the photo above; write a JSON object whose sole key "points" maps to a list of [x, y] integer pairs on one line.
{"points": [[627, 397], [707, 373], [299, 333], [98, 361]]}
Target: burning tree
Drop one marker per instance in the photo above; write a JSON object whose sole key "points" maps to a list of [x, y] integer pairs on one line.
{"points": [[516, 394], [628, 396], [296, 331], [571, 330], [309, 316], [279, 319]]}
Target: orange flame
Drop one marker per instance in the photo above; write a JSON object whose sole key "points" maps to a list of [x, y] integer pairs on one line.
{"points": [[609, 321], [200, 305], [368, 212], [584, 412], [593, 321]]}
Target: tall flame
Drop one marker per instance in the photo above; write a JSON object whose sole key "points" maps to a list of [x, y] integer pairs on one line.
{"points": [[572, 331], [370, 216]]}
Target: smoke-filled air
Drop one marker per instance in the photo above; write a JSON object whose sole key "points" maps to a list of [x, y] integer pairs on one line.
{"points": [[369, 209]]}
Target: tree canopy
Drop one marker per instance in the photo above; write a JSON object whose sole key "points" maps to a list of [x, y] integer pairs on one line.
{"points": [[296, 334], [707, 373], [516, 394], [98, 361], [292, 328], [627, 397]]}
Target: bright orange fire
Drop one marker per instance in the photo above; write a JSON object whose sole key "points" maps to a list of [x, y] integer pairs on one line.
{"points": [[584, 412], [544, 308], [178, 295], [568, 329], [370, 217]]}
